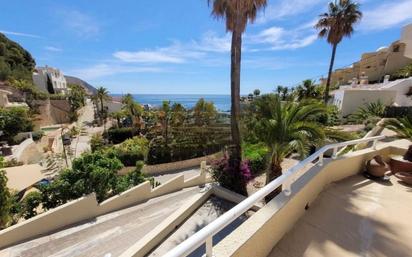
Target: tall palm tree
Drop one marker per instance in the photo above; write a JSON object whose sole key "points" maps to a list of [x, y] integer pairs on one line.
{"points": [[237, 14], [134, 110], [336, 24], [102, 96], [286, 128]]}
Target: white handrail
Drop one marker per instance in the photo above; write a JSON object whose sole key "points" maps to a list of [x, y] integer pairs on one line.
{"points": [[206, 234]]}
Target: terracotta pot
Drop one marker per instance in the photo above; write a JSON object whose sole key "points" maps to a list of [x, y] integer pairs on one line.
{"points": [[377, 167], [400, 165], [406, 177]]}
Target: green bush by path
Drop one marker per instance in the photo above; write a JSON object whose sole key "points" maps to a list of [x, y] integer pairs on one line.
{"points": [[119, 135], [257, 154], [14, 120], [131, 151], [30, 204]]}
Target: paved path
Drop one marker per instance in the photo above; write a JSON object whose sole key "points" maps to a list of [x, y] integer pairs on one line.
{"points": [[108, 235], [81, 144]]}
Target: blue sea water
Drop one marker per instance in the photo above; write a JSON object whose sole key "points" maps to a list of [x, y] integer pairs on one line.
{"points": [[222, 102]]}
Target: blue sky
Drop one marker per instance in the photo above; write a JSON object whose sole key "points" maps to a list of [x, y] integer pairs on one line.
{"points": [[175, 47]]}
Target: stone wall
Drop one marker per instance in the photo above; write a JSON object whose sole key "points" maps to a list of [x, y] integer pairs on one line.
{"points": [[52, 112]]}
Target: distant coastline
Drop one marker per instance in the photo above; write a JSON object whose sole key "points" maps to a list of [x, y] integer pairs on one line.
{"points": [[222, 102]]}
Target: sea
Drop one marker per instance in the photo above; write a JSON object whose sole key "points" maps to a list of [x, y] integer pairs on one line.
{"points": [[222, 102]]}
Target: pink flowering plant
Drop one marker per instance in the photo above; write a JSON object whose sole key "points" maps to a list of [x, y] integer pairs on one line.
{"points": [[228, 177]]}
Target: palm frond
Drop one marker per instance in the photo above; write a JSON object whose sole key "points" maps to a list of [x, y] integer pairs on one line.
{"points": [[402, 126]]}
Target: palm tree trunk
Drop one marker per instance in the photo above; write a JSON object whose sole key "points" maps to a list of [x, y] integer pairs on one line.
{"points": [[274, 171], [332, 61], [235, 96]]}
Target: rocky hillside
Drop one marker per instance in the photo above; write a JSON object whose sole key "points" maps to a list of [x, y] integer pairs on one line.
{"points": [[15, 61], [73, 80]]}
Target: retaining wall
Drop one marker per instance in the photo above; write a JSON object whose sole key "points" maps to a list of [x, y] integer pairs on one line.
{"points": [[87, 208]]}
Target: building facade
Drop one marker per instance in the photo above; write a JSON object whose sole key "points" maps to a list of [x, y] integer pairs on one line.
{"points": [[374, 66], [50, 80]]}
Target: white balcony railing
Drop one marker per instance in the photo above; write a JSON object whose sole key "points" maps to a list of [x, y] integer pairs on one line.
{"points": [[205, 235]]}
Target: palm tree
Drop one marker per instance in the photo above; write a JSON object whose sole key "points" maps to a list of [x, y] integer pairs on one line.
{"points": [[178, 116], [308, 89], [134, 110], [402, 126], [373, 110], [279, 89], [102, 95], [164, 116], [286, 128], [336, 24], [285, 92], [118, 116], [237, 13]]}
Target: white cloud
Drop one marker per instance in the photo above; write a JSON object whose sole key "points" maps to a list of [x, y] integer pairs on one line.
{"points": [[19, 34], [288, 8], [81, 24], [176, 53], [211, 42], [105, 70], [278, 38], [53, 49], [156, 56], [387, 15]]}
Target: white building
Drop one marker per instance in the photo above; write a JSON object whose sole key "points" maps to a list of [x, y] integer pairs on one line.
{"points": [[50, 80], [349, 98]]}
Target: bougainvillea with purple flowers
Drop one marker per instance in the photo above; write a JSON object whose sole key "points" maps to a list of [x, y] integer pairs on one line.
{"points": [[228, 177]]}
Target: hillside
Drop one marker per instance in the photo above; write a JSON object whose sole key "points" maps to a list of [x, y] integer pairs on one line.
{"points": [[15, 61], [73, 80]]}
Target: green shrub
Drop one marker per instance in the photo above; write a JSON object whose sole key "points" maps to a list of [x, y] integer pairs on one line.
{"points": [[14, 120], [12, 163], [187, 143], [30, 204], [92, 172], [5, 198], [131, 151], [118, 135], [130, 180], [405, 72], [96, 143], [257, 154], [37, 135]]}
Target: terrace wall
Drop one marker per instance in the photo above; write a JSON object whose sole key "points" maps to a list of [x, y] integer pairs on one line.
{"points": [[87, 208]]}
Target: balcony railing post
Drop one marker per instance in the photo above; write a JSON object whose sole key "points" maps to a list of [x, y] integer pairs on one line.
{"points": [[209, 247], [205, 235], [335, 153], [320, 163], [375, 142]]}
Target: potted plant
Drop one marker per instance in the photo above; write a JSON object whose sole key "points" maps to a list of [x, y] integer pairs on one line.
{"points": [[402, 163]]}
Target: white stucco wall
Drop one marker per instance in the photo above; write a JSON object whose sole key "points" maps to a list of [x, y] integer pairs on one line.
{"points": [[349, 101]]}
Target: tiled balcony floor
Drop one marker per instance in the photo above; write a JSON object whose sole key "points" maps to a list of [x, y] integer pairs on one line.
{"points": [[354, 217]]}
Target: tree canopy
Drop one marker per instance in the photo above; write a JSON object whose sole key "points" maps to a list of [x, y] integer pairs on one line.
{"points": [[15, 61]]}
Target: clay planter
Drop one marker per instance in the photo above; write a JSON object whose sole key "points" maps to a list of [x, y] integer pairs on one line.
{"points": [[375, 168], [406, 177], [398, 164]]}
